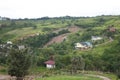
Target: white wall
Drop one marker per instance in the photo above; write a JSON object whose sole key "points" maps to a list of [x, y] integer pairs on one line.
{"points": [[50, 66]]}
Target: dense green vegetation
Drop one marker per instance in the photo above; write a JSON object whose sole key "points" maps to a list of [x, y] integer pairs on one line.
{"points": [[35, 33], [18, 63]]}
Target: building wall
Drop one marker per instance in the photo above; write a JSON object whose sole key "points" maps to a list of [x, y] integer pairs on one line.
{"points": [[50, 66]]}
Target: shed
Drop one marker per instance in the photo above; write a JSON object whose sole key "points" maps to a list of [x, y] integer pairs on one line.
{"points": [[95, 38], [50, 64], [9, 42]]}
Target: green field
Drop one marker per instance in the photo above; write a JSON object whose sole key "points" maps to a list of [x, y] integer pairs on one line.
{"points": [[80, 77]]}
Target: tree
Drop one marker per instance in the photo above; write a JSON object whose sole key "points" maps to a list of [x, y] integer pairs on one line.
{"points": [[111, 58], [77, 63], [63, 62], [118, 74], [34, 27], [4, 50], [19, 63]]}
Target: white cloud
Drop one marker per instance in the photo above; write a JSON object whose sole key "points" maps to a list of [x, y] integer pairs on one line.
{"points": [[40, 8]]}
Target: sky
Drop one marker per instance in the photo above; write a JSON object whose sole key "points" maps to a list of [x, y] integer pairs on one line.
{"points": [[56, 8]]}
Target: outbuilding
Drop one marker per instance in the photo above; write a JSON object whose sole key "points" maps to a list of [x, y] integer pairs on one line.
{"points": [[50, 64]]}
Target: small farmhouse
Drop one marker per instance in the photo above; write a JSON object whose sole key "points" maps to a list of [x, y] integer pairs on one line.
{"points": [[7, 45], [21, 47], [4, 18], [83, 45], [96, 38], [2, 45], [9, 42], [50, 64], [112, 29], [79, 46]]}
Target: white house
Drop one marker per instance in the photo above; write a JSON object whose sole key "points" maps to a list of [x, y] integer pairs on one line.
{"points": [[50, 64], [2, 45], [83, 45], [9, 42], [21, 47], [95, 38], [3, 18], [79, 46]]}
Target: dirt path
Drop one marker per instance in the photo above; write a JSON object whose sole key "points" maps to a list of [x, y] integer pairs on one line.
{"points": [[7, 77], [102, 77], [4, 77]]}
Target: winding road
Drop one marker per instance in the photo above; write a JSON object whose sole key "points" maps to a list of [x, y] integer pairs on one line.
{"points": [[99, 76]]}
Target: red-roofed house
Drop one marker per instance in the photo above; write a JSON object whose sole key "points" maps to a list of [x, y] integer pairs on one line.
{"points": [[50, 64], [112, 29]]}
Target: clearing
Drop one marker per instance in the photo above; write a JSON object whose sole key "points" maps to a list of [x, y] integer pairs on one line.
{"points": [[60, 38]]}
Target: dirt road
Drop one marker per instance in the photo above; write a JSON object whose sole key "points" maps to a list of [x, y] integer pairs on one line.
{"points": [[4, 77], [99, 76]]}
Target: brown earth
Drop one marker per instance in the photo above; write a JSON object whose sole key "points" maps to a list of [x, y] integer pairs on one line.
{"points": [[74, 29], [4, 77], [99, 76], [60, 38]]}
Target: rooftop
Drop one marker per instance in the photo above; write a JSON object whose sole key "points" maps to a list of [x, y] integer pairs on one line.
{"points": [[51, 62]]}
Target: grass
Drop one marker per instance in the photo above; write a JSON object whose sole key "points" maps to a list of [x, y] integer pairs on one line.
{"points": [[3, 70], [16, 34], [52, 75], [55, 75], [66, 77], [35, 70], [26, 31], [109, 75], [23, 32]]}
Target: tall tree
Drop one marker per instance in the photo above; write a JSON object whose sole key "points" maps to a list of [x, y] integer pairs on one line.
{"points": [[111, 58], [19, 63], [77, 63]]}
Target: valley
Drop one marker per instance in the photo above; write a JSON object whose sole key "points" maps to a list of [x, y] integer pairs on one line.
{"points": [[69, 44]]}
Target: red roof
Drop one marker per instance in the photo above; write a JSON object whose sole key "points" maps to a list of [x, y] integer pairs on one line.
{"points": [[112, 29], [51, 62]]}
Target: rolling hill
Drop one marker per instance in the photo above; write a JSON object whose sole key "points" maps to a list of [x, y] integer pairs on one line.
{"points": [[56, 37]]}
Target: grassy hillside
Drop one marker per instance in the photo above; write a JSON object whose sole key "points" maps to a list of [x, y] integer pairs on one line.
{"points": [[56, 37], [16, 29]]}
